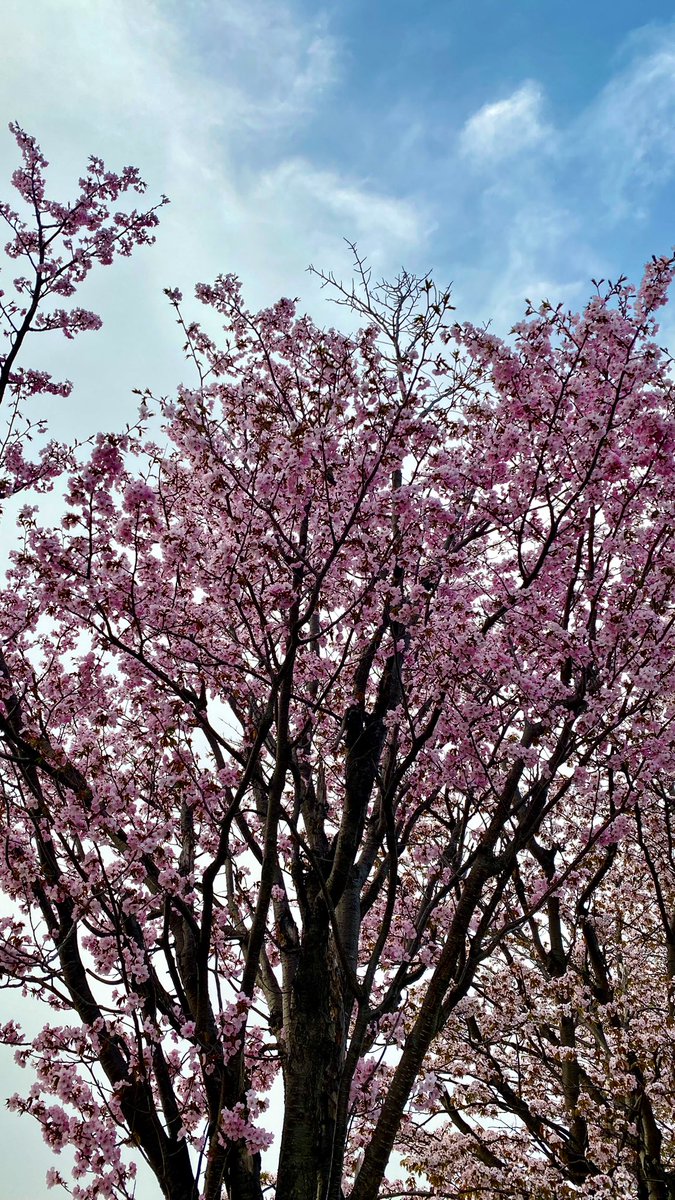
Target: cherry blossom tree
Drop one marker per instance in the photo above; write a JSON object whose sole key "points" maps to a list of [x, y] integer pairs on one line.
{"points": [[337, 746], [557, 1073]]}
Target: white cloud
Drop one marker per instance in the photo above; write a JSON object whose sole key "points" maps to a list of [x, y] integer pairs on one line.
{"points": [[328, 202], [628, 133], [284, 65], [506, 127], [247, 64], [203, 97]]}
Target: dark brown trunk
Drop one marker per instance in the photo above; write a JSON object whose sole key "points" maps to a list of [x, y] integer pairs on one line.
{"points": [[314, 1052], [242, 1175]]}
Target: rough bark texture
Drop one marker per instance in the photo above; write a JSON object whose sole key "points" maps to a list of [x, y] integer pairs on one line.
{"points": [[313, 1056]]}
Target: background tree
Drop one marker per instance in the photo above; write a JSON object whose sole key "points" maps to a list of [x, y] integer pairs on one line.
{"points": [[338, 669], [558, 1072]]}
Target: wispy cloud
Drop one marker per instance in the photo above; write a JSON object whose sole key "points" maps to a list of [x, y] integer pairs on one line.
{"points": [[627, 135], [163, 67], [506, 127], [209, 99], [552, 221], [336, 204], [274, 65]]}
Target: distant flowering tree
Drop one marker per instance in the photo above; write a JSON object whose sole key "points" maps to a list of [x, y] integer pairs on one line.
{"points": [[557, 1072], [337, 749]]}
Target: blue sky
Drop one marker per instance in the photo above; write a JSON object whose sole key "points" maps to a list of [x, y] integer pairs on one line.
{"points": [[515, 147]]}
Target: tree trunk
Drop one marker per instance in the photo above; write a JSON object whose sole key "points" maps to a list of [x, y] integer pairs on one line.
{"points": [[313, 1058], [242, 1174]]}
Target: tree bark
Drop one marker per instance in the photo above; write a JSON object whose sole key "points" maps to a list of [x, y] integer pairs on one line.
{"points": [[313, 1057]]}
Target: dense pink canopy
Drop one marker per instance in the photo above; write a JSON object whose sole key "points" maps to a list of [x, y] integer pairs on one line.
{"points": [[337, 745]]}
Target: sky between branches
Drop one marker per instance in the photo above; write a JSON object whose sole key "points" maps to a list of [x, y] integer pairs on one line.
{"points": [[514, 147]]}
